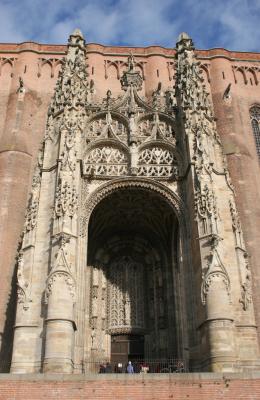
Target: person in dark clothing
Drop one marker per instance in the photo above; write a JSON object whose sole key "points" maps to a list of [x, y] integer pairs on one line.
{"points": [[102, 369], [108, 368]]}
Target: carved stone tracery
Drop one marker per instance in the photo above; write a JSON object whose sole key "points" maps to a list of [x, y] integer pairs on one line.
{"points": [[133, 132], [126, 296], [107, 188], [66, 199], [106, 127], [215, 272], [106, 161], [22, 284], [245, 273], [33, 203], [206, 210], [61, 271], [119, 65], [157, 162]]}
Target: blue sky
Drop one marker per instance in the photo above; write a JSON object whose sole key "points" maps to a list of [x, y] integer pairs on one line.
{"points": [[233, 24]]}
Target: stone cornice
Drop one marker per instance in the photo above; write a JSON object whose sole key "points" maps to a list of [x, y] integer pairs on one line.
{"points": [[123, 51]]}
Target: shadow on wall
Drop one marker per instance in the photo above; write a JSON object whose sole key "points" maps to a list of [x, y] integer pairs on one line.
{"points": [[8, 331]]}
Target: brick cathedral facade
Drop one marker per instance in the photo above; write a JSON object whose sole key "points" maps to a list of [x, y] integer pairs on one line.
{"points": [[130, 186]]}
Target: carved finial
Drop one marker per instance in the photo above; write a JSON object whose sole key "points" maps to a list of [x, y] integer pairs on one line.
{"points": [[77, 32], [183, 36], [184, 42], [77, 38]]}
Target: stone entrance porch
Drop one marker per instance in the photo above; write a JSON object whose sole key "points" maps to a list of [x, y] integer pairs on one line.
{"points": [[132, 278]]}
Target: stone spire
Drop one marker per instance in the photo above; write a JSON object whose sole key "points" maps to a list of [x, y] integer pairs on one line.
{"points": [[189, 80], [72, 85]]}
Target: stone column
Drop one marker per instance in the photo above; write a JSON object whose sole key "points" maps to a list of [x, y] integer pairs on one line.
{"points": [[218, 327], [60, 324]]}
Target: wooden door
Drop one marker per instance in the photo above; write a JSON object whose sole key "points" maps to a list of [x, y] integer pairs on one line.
{"points": [[119, 349], [126, 348]]}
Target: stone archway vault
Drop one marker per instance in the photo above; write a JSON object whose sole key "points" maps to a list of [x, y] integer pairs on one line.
{"points": [[135, 238]]}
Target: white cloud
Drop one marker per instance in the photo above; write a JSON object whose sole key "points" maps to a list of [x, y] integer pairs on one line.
{"points": [[212, 23]]}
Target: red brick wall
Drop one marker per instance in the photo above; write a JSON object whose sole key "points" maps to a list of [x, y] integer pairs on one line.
{"points": [[124, 387]]}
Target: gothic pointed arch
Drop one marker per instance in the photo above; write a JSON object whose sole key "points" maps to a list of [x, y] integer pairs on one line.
{"points": [[129, 260], [106, 124], [143, 183]]}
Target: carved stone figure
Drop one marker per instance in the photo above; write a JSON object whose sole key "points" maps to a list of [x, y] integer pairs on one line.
{"points": [[22, 284]]}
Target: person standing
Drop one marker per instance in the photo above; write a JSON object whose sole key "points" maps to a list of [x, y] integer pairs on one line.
{"points": [[130, 369]]}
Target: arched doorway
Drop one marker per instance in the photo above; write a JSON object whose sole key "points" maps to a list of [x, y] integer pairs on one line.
{"points": [[132, 270]]}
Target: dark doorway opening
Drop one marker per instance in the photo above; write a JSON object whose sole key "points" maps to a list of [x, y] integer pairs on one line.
{"points": [[132, 260], [126, 348]]}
